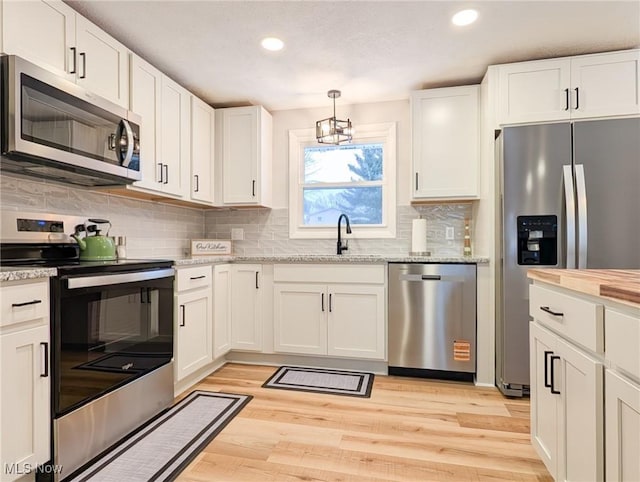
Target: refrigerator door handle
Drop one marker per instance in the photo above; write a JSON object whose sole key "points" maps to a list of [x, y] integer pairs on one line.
{"points": [[569, 216], [581, 191]]}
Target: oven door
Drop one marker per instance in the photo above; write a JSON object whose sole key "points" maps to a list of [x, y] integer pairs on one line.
{"points": [[107, 331], [59, 130]]}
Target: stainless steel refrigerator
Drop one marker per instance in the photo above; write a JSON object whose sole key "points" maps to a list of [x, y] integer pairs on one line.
{"points": [[570, 198]]}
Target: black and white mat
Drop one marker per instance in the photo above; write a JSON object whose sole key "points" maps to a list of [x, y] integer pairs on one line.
{"points": [[166, 445], [320, 380]]}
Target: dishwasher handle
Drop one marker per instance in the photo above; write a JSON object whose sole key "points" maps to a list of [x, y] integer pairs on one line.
{"points": [[420, 277]]}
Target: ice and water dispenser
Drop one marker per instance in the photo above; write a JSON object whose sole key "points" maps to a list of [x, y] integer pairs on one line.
{"points": [[538, 240]]}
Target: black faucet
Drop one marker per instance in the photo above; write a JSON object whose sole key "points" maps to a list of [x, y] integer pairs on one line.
{"points": [[346, 245]]}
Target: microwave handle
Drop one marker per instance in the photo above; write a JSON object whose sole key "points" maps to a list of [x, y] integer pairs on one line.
{"points": [[124, 157]]}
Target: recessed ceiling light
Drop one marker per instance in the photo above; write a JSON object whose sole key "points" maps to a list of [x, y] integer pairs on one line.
{"points": [[272, 43], [465, 17]]}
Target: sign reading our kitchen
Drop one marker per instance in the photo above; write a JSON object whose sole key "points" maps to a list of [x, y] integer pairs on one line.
{"points": [[209, 247]]}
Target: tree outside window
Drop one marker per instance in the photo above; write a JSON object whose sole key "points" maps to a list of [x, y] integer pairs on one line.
{"points": [[343, 179]]}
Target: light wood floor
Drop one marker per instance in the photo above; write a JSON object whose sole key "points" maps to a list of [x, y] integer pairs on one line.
{"points": [[409, 430]]}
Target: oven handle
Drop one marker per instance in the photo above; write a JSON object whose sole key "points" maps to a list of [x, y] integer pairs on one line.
{"points": [[114, 279]]}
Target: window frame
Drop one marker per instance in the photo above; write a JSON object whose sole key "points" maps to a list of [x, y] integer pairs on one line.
{"points": [[384, 133]]}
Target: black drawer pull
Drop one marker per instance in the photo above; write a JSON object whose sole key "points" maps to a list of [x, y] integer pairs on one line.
{"points": [[198, 277], [546, 309], [553, 371], [73, 69], [46, 359], [546, 368], [26, 303]]}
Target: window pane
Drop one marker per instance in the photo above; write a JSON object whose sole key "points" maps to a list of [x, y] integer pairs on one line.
{"points": [[357, 162], [363, 205]]}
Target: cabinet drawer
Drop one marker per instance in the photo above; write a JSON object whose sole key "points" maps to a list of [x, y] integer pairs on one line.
{"points": [[329, 273], [622, 338], [22, 302], [196, 277], [576, 319]]}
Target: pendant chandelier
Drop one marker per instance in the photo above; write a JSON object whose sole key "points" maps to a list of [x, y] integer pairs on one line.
{"points": [[332, 130]]}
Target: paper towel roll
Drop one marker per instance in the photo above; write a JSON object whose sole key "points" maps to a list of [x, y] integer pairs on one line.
{"points": [[419, 236]]}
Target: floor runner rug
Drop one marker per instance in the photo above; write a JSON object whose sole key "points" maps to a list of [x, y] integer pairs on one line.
{"points": [[166, 445], [320, 380]]}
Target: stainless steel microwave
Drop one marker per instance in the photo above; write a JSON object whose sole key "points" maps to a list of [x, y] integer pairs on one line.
{"points": [[53, 129]]}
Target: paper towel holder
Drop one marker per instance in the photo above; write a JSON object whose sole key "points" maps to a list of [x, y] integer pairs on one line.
{"points": [[422, 244]]}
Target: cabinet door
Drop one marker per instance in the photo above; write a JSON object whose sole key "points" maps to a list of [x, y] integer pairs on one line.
{"points": [[221, 310], [240, 151], [202, 144], [581, 422], [356, 321], [605, 85], [193, 332], [300, 318], [24, 399], [544, 404], [246, 307], [41, 31], [534, 91], [146, 92], [446, 148], [622, 430], [103, 63], [175, 137]]}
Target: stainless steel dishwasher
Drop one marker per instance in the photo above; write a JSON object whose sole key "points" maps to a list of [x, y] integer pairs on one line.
{"points": [[432, 320]]}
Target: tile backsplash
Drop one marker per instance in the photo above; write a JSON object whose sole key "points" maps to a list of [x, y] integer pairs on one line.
{"points": [[266, 232], [156, 230], [153, 230]]}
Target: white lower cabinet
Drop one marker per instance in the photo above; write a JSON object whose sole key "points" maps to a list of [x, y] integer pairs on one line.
{"points": [[622, 437], [221, 310], [585, 385], [193, 321], [567, 407], [246, 307], [330, 310], [356, 321], [300, 318], [25, 401], [622, 395]]}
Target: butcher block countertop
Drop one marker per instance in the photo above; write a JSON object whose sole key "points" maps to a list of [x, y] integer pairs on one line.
{"points": [[622, 285]]}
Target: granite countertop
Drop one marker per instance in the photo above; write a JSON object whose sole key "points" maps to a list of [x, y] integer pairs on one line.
{"points": [[329, 258], [14, 273], [622, 285]]}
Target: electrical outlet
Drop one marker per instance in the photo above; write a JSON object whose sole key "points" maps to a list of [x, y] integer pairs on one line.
{"points": [[449, 234], [237, 234]]}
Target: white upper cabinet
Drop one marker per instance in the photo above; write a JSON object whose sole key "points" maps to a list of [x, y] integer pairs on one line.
{"points": [[606, 85], [175, 138], [53, 35], [244, 152], [102, 64], [202, 151], [445, 143], [165, 131], [43, 32], [596, 85], [146, 91]]}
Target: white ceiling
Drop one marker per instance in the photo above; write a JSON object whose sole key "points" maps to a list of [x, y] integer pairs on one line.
{"points": [[372, 51]]}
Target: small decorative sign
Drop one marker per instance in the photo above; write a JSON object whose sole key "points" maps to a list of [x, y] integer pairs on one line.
{"points": [[210, 247]]}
